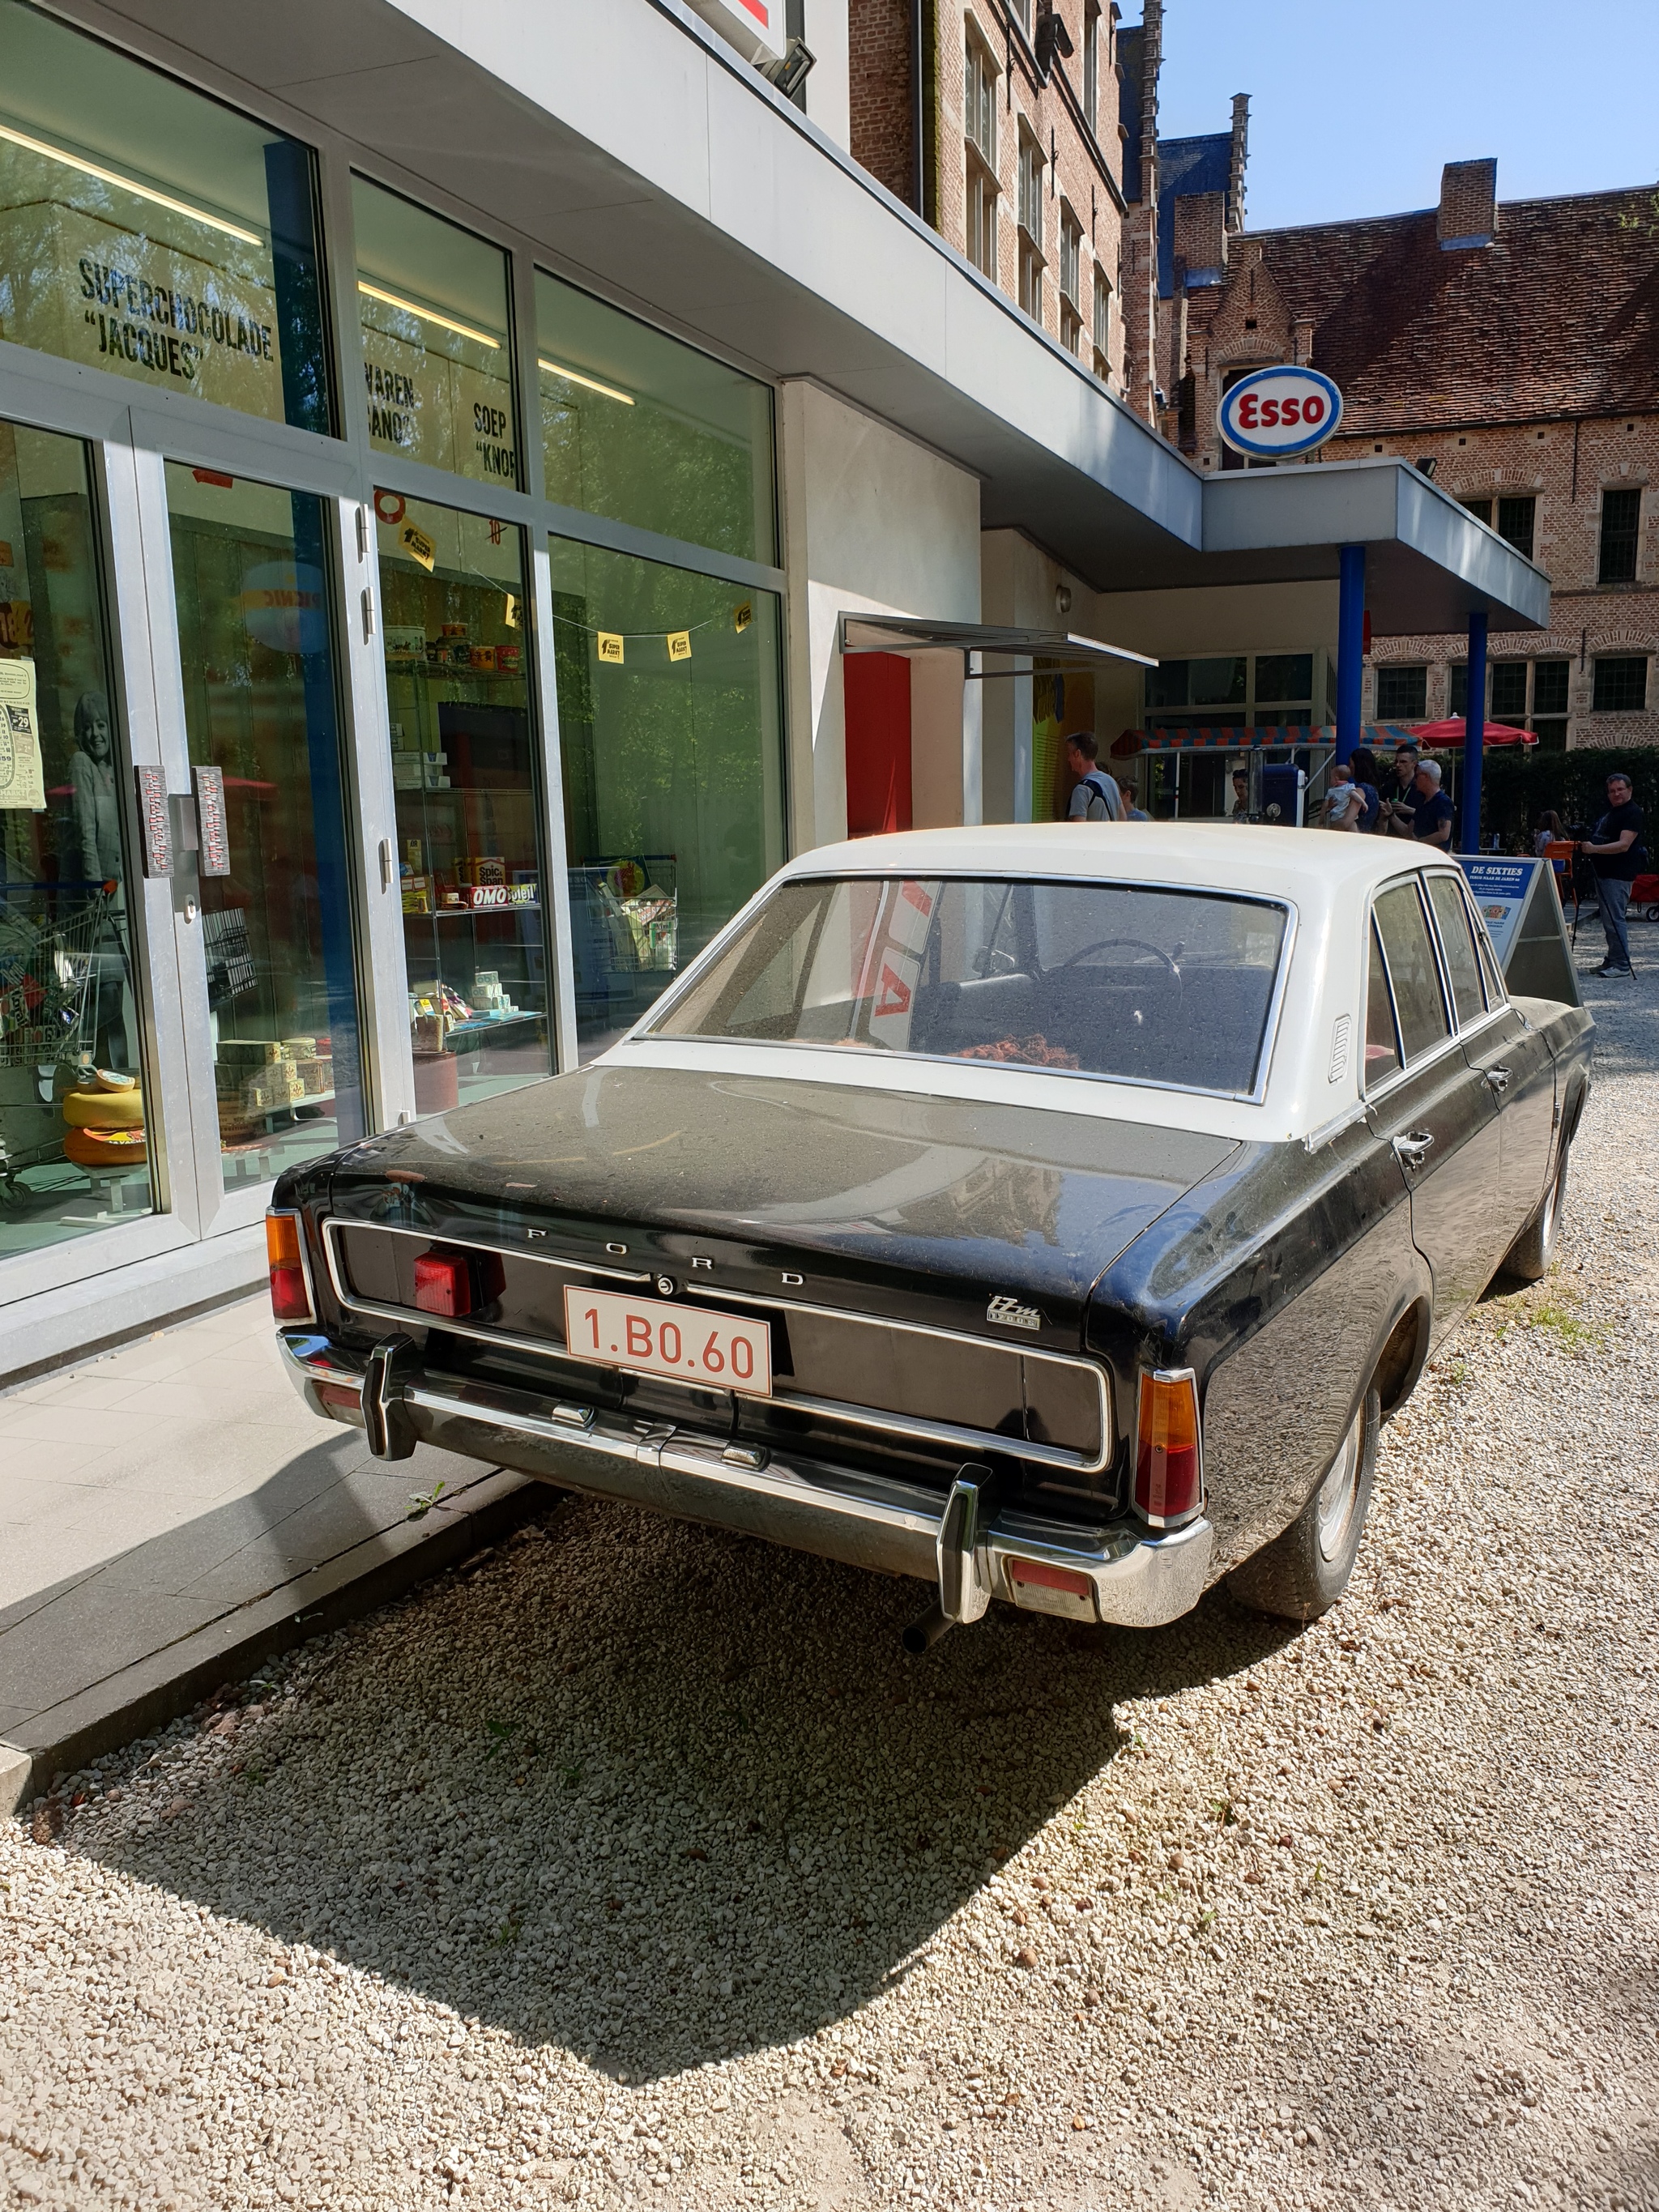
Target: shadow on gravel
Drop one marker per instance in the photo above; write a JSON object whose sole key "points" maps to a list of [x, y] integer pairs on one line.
{"points": [[657, 1794]]}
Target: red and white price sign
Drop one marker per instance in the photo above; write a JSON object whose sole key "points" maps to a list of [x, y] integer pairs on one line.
{"points": [[723, 1351]]}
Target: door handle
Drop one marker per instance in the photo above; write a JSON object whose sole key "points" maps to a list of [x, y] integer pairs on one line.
{"points": [[1413, 1149], [1497, 1078]]}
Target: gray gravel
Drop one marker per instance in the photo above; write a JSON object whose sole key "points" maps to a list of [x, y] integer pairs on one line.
{"points": [[637, 1865]]}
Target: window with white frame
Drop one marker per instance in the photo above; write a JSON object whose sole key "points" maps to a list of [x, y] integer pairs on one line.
{"points": [[1071, 279], [1103, 329], [1032, 167], [979, 108]]}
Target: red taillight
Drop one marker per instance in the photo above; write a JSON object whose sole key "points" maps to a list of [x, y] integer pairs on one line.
{"points": [[1168, 1483], [290, 1293], [343, 1396], [443, 1285], [1040, 1574]]}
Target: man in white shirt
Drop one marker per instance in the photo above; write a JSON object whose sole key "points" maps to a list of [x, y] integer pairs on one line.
{"points": [[1095, 796]]}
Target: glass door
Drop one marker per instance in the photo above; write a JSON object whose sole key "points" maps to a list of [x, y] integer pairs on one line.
{"points": [[75, 1151], [463, 772], [263, 718]]}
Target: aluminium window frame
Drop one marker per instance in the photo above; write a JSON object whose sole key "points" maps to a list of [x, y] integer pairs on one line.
{"points": [[131, 433]]}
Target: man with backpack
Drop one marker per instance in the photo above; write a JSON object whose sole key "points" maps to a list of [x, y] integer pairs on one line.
{"points": [[1095, 797], [1614, 849]]}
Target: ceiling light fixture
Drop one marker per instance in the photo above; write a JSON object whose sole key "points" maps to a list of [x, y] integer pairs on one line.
{"points": [[428, 315], [574, 376], [128, 185]]}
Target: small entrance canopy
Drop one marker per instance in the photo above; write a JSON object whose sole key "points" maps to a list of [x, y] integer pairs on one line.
{"points": [[903, 634], [1381, 737]]}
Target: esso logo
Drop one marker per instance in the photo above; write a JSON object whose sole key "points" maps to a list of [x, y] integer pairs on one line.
{"points": [[1277, 412]]}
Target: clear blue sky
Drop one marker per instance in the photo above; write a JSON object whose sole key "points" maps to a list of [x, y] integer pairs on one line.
{"points": [[1355, 104]]}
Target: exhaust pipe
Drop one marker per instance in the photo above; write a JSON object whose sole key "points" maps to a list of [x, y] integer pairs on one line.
{"points": [[921, 1635]]}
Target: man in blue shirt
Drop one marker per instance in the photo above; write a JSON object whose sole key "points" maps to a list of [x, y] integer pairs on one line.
{"points": [[1431, 808]]}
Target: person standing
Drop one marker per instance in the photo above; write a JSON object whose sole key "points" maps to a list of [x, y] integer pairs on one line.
{"points": [[1614, 849], [1400, 800], [1431, 808], [1127, 791], [1363, 762], [1241, 795], [1095, 796]]}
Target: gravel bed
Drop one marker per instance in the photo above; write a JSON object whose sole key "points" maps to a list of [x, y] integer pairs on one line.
{"points": [[637, 1865]]}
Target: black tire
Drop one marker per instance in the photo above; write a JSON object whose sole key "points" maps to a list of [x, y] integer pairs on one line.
{"points": [[1528, 1258], [1303, 1573]]}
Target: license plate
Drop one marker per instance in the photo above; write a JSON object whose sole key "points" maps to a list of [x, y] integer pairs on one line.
{"points": [[653, 1337]]}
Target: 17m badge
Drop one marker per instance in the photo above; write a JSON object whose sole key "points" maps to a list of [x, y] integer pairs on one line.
{"points": [[1008, 1313]]}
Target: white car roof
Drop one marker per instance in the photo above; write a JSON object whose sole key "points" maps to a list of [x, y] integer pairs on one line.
{"points": [[1317, 1048]]}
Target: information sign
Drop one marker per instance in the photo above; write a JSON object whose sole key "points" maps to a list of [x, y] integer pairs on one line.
{"points": [[1500, 888]]}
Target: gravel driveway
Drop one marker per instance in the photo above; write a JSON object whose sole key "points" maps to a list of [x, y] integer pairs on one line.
{"points": [[637, 1865]]}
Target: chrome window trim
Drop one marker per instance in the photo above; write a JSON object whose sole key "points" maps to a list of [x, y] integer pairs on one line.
{"points": [[946, 1433], [645, 1032]]}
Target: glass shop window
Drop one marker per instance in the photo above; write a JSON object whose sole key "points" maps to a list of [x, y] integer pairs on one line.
{"points": [[670, 731], [146, 230], [74, 1148], [250, 576], [437, 339], [463, 772], [639, 429]]}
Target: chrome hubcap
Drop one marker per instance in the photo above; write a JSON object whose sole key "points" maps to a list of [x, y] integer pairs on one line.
{"points": [[1338, 1494]]}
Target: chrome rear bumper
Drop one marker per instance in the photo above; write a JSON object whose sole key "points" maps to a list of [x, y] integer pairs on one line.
{"points": [[1135, 1577]]}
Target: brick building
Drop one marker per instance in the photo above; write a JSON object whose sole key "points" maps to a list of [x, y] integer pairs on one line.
{"points": [[1026, 133], [1512, 350]]}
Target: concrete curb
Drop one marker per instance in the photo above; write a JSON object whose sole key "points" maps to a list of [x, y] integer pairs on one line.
{"points": [[155, 1690]]}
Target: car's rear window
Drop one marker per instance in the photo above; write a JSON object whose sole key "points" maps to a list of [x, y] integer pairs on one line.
{"points": [[1145, 985]]}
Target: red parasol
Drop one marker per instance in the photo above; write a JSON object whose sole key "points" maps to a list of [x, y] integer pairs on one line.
{"points": [[1452, 734]]}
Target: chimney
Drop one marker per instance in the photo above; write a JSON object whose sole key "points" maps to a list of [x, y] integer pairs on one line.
{"points": [[1301, 341], [1200, 236], [1241, 150], [1468, 204]]}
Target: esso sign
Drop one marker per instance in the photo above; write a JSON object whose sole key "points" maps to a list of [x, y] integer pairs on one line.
{"points": [[1277, 412]]}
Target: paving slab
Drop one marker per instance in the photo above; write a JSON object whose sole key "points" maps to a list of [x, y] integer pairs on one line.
{"points": [[172, 1514]]}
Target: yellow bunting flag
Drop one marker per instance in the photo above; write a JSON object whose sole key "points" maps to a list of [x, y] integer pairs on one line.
{"points": [[679, 645], [418, 546], [743, 615], [610, 647]]}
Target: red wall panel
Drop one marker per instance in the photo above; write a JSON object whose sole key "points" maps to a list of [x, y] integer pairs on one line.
{"points": [[877, 693]]}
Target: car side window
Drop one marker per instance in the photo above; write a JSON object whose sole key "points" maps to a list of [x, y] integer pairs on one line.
{"points": [[1462, 964], [1404, 929], [1381, 1042]]}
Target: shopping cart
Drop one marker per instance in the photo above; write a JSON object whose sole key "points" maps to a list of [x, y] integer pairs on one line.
{"points": [[54, 955]]}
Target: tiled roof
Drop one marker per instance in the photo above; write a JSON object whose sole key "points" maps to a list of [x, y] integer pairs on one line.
{"points": [[1558, 315]]}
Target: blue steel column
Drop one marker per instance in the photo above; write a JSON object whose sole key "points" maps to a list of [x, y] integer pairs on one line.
{"points": [[1475, 735], [1350, 648]]}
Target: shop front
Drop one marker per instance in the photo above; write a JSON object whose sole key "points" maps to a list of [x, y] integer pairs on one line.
{"points": [[389, 671]]}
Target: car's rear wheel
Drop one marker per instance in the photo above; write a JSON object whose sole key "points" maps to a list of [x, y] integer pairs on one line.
{"points": [[1303, 1573], [1528, 1258]]}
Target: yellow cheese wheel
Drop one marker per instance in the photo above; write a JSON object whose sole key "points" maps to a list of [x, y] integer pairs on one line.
{"points": [[106, 1148], [105, 1109]]}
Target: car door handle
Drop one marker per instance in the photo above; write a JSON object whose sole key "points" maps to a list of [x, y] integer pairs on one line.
{"points": [[1413, 1149], [1497, 1078]]}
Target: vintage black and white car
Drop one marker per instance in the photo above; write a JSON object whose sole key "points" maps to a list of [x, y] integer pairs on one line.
{"points": [[1053, 1214]]}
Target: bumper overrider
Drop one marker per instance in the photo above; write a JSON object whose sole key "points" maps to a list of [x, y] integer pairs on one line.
{"points": [[971, 1548]]}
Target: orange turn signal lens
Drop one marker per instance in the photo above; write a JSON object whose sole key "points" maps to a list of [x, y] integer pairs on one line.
{"points": [[1169, 1483], [283, 1239], [290, 1292]]}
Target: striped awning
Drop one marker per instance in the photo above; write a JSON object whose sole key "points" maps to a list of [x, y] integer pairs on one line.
{"points": [[1201, 740]]}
